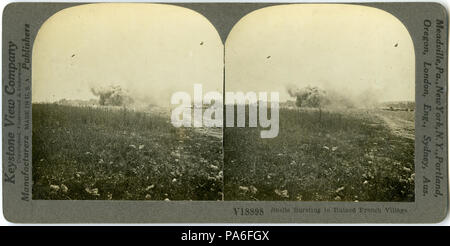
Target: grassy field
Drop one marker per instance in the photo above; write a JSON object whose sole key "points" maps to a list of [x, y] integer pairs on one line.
{"points": [[352, 155], [115, 154], [118, 154]]}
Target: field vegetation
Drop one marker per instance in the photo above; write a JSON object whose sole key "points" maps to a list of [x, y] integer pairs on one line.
{"points": [[112, 153], [323, 155]]}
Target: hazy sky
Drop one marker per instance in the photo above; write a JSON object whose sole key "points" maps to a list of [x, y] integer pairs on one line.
{"points": [[359, 51], [151, 50]]}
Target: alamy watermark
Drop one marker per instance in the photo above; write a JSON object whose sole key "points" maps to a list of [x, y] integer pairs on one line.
{"points": [[206, 110]]}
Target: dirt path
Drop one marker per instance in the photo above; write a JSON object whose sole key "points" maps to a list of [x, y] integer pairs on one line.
{"points": [[398, 126]]}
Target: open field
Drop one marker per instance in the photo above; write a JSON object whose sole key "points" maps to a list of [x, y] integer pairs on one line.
{"points": [[328, 155], [118, 154]]}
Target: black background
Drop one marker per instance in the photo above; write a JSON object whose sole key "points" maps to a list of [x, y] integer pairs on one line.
{"points": [[162, 235]]}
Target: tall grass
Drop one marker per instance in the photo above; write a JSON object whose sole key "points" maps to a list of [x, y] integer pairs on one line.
{"points": [[101, 153], [320, 156]]}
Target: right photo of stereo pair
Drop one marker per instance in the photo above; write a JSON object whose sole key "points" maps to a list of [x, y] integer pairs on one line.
{"points": [[346, 81]]}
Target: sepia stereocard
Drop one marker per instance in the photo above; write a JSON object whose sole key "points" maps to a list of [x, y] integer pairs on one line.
{"points": [[104, 75]]}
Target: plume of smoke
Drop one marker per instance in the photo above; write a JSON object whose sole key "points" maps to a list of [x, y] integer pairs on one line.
{"points": [[315, 97], [309, 96], [112, 96]]}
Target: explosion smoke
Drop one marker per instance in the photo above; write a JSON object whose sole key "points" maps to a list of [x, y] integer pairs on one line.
{"points": [[315, 97], [112, 96], [309, 96]]}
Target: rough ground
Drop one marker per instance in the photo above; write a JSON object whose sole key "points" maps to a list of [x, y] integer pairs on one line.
{"points": [[346, 155], [87, 153], [398, 123]]}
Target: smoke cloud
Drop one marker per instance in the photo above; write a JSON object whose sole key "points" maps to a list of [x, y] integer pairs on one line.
{"points": [[112, 96], [316, 97], [309, 96]]}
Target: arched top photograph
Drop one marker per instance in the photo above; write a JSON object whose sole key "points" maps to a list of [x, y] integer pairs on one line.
{"points": [[148, 51], [362, 52]]}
